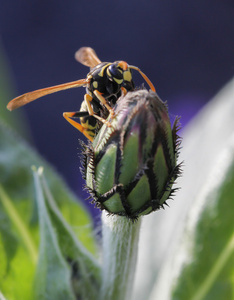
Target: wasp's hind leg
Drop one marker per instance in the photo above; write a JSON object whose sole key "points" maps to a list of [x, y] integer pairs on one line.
{"points": [[88, 118], [88, 122], [85, 127]]}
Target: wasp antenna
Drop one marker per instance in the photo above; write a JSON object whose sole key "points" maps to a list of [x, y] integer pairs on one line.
{"points": [[145, 77]]}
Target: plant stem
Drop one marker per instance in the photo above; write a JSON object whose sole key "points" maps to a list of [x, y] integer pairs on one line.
{"points": [[120, 247]]}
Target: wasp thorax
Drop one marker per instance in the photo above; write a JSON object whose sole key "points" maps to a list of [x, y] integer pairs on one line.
{"points": [[131, 167]]}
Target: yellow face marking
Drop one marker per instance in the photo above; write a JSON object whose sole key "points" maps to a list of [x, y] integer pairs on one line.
{"points": [[127, 76], [119, 81], [95, 84], [103, 69]]}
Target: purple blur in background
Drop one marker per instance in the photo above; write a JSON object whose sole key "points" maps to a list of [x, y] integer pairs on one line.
{"points": [[186, 48]]}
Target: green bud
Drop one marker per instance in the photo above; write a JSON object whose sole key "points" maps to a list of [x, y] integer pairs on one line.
{"points": [[130, 167]]}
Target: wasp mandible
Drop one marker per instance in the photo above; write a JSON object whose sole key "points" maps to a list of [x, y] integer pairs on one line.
{"points": [[104, 85]]}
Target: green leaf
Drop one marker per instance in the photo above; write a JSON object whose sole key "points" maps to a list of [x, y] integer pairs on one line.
{"points": [[84, 268], [18, 250], [19, 224], [207, 271], [170, 248], [16, 159], [52, 279], [2, 297], [18, 217]]}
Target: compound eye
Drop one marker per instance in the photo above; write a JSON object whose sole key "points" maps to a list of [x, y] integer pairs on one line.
{"points": [[115, 71]]}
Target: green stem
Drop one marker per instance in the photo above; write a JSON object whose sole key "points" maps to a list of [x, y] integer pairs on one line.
{"points": [[120, 247]]}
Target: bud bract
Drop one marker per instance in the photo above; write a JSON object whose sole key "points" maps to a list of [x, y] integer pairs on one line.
{"points": [[131, 166]]}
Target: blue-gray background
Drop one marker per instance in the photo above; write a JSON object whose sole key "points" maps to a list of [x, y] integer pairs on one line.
{"points": [[185, 47]]}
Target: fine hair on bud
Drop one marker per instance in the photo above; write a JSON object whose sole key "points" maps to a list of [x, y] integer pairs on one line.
{"points": [[131, 167]]}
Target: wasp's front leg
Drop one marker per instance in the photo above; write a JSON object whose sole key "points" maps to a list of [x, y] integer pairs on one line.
{"points": [[88, 100], [104, 102]]}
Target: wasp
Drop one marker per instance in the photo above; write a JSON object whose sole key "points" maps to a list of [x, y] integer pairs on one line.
{"points": [[105, 83]]}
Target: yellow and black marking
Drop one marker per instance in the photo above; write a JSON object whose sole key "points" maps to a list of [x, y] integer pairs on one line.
{"points": [[104, 85]]}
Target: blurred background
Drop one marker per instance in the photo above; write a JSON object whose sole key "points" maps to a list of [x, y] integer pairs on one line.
{"points": [[186, 48]]}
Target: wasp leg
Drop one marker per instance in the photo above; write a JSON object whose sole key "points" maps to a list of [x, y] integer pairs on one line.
{"points": [[87, 129], [124, 91], [88, 99], [104, 102], [104, 121]]}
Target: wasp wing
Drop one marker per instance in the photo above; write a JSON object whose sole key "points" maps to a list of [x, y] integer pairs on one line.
{"points": [[87, 56], [29, 97]]}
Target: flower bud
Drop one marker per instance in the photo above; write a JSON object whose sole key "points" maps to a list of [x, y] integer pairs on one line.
{"points": [[132, 165]]}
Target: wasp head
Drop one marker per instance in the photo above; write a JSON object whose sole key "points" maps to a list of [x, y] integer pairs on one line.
{"points": [[119, 72]]}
